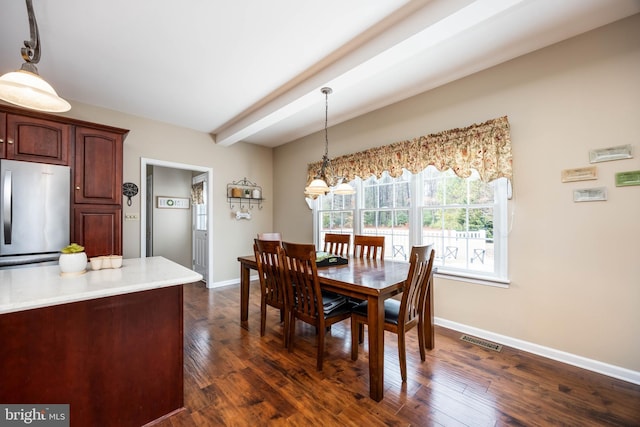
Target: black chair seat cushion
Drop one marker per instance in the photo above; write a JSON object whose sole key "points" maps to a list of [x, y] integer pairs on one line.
{"points": [[391, 310], [334, 304]]}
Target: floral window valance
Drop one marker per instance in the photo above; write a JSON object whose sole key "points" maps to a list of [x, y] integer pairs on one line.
{"points": [[485, 147]]}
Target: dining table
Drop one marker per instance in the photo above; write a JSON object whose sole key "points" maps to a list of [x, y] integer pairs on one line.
{"points": [[364, 279]]}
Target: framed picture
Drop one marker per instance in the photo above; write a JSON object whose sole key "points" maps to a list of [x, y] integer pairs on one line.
{"points": [[174, 202], [626, 179], [590, 194], [579, 174], [611, 153]]}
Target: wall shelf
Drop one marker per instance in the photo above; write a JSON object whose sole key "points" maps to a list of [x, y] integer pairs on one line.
{"points": [[243, 194]]}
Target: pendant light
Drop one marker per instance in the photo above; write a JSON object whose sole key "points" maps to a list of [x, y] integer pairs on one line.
{"points": [[319, 186], [25, 87]]}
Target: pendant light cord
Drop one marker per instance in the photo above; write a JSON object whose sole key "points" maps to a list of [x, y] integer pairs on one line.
{"points": [[325, 158]]}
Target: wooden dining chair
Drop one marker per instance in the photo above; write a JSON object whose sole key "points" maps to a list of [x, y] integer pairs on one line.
{"points": [[401, 316], [298, 261], [272, 286], [370, 247], [270, 236], [337, 244]]}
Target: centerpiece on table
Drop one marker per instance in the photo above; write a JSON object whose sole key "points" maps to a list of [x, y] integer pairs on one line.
{"points": [[73, 260]]}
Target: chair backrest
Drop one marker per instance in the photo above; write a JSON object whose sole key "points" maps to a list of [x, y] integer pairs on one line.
{"points": [[416, 285], [270, 236], [269, 272], [337, 244], [298, 261], [368, 246]]}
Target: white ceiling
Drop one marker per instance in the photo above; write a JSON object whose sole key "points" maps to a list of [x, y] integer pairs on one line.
{"points": [[251, 70]]}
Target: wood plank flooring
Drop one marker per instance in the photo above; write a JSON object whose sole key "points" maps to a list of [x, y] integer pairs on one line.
{"points": [[234, 377]]}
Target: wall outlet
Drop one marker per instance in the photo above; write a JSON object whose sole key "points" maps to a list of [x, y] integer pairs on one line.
{"points": [[131, 217]]}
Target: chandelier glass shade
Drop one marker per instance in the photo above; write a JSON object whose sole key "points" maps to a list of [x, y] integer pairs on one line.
{"points": [[25, 87], [321, 184]]}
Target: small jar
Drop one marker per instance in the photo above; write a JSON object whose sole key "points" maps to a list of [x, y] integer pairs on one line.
{"points": [[256, 193]]}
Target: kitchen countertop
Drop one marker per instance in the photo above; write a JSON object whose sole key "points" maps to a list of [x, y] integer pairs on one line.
{"points": [[28, 288]]}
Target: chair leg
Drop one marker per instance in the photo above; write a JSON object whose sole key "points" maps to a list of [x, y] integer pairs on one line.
{"points": [[321, 332], [292, 331], [354, 338], [402, 356], [423, 356], [360, 332], [285, 333], [263, 318]]}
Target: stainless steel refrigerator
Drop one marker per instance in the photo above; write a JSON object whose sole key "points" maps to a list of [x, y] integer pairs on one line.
{"points": [[34, 212]]}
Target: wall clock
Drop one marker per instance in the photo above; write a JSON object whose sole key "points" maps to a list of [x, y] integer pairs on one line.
{"points": [[129, 189]]}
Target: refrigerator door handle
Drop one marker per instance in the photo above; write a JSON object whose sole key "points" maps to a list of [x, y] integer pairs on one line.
{"points": [[6, 215]]}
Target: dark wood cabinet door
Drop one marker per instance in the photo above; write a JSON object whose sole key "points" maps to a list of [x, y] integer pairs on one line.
{"points": [[98, 167], [3, 135], [36, 140], [98, 228]]}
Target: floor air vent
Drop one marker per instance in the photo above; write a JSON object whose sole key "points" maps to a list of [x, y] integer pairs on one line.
{"points": [[482, 343]]}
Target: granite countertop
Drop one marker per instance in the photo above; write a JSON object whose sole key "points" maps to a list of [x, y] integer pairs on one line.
{"points": [[35, 287]]}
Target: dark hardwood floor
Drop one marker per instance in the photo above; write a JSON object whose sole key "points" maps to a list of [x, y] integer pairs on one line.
{"points": [[233, 377]]}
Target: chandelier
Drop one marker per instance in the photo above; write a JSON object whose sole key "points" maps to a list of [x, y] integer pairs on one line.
{"points": [[25, 87], [320, 185]]}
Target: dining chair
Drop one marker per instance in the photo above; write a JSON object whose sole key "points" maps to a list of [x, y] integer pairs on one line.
{"points": [[298, 261], [368, 246], [272, 287], [337, 244], [401, 316], [270, 236]]}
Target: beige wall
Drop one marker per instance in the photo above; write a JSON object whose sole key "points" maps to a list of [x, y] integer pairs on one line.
{"points": [[172, 227], [574, 267], [160, 141]]}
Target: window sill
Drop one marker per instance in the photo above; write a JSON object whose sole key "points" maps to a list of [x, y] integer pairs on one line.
{"points": [[470, 278]]}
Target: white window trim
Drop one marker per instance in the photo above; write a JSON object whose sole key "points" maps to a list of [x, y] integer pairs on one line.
{"points": [[499, 279]]}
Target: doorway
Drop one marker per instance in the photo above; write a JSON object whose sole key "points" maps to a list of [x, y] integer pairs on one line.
{"points": [[200, 232], [146, 225]]}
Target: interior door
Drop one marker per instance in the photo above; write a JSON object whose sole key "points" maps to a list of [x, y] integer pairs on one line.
{"points": [[200, 252], [149, 215]]}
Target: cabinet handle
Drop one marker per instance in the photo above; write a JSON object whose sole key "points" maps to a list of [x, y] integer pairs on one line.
{"points": [[10, 141], [1, 140], [77, 188]]}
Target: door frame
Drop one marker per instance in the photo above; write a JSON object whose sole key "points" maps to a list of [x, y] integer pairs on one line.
{"points": [[144, 162], [201, 177]]}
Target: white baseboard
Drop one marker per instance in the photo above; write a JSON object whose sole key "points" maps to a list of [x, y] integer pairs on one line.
{"points": [[550, 353], [231, 282]]}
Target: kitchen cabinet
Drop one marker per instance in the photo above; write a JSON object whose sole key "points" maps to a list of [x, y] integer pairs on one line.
{"points": [[94, 154], [98, 228], [34, 140], [3, 135], [108, 343], [97, 195], [97, 167]]}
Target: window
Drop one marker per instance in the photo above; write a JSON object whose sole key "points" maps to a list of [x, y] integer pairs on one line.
{"points": [[200, 204], [335, 215], [386, 209], [464, 218]]}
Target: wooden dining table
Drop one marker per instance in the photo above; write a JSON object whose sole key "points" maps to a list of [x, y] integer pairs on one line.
{"points": [[365, 279]]}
